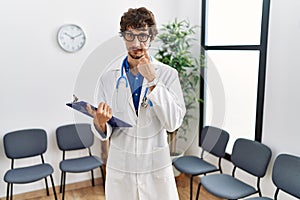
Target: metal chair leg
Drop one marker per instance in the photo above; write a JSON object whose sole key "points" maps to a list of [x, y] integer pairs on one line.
{"points": [[53, 187], [11, 191], [64, 186], [198, 191], [276, 194], [61, 182], [47, 189], [7, 191], [93, 181], [191, 188]]}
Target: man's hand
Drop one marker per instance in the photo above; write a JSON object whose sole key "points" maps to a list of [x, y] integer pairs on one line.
{"points": [[102, 115], [145, 67]]}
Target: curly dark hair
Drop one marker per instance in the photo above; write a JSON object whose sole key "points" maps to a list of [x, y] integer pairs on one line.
{"points": [[139, 18]]}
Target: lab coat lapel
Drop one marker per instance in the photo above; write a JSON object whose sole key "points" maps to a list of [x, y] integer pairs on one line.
{"points": [[129, 95], [127, 100], [144, 86], [130, 100]]}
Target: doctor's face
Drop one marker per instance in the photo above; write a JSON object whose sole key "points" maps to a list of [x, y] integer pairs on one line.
{"points": [[136, 40]]}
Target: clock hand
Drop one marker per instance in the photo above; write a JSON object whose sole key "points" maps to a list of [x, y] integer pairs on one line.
{"points": [[69, 35], [77, 35]]}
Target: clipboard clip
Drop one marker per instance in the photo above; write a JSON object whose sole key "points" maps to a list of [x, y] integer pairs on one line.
{"points": [[75, 98]]}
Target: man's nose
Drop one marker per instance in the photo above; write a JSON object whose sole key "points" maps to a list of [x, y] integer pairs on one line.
{"points": [[136, 42]]}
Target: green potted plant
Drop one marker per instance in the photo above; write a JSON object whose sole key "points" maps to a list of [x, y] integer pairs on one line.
{"points": [[175, 49]]}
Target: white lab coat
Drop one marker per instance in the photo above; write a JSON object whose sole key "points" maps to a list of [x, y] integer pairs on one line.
{"points": [[139, 166]]}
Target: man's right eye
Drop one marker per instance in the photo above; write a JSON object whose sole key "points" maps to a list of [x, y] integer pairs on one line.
{"points": [[129, 35]]}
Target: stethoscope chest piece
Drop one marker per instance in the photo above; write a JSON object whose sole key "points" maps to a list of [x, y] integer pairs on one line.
{"points": [[144, 103]]}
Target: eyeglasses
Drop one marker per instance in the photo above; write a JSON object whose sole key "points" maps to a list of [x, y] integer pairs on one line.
{"points": [[129, 36]]}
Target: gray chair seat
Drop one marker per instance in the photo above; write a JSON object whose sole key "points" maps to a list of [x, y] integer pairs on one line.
{"points": [[260, 198], [78, 165], [193, 165], [28, 174], [226, 186]]}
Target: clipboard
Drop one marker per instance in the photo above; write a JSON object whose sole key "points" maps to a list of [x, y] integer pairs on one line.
{"points": [[81, 107]]}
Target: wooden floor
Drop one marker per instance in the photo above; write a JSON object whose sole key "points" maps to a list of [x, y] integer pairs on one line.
{"points": [[84, 191]]}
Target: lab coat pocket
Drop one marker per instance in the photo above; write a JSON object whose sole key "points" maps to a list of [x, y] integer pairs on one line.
{"points": [[163, 175], [116, 158], [160, 159], [146, 117], [148, 123]]}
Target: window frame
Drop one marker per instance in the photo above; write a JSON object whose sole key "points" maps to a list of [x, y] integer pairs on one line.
{"points": [[262, 48]]}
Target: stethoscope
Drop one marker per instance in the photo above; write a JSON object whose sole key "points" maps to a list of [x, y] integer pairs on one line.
{"points": [[145, 101]]}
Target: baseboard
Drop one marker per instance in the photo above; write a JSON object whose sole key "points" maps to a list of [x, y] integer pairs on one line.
{"points": [[42, 192]]}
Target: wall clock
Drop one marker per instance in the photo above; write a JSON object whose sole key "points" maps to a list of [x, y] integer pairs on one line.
{"points": [[71, 37]]}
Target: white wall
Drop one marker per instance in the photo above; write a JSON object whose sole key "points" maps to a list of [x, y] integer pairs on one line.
{"points": [[37, 78]]}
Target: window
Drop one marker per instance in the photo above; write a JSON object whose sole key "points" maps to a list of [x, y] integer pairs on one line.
{"points": [[234, 41]]}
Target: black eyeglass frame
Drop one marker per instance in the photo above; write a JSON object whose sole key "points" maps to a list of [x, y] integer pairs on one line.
{"points": [[122, 34]]}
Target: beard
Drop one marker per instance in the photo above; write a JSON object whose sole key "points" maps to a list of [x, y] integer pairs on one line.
{"points": [[134, 56]]}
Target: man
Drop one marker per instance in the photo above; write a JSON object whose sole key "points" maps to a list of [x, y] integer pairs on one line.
{"points": [[147, 95]]}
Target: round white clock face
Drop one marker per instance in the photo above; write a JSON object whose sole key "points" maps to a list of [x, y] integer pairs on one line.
{"points": [[71, 37]]}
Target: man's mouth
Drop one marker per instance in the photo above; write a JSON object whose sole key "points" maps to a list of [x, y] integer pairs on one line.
{"points": [[136, 51], [136, 54]]}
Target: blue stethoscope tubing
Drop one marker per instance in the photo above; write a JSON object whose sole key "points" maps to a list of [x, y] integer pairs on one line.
{"points": [[122, 76]]}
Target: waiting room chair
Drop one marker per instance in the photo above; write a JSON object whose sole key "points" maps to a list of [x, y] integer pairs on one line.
{"points": [[250, 156], [285, 176], [213, 140], [76, 137], [26, 144]]}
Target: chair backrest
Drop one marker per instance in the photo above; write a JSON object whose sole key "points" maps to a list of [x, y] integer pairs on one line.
{"points": [[286, 174], [251, 156], [25, 143], [74, 136], [214, 140]]}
